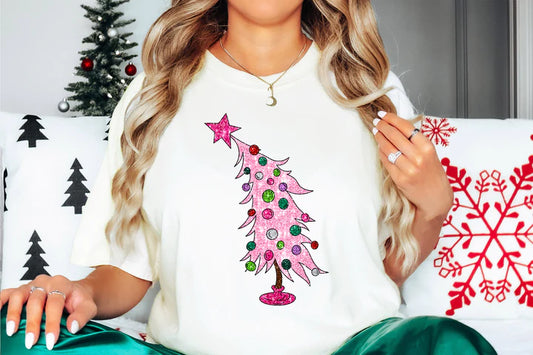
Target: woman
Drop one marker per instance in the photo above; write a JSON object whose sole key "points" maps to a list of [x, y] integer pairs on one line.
{"points": [[266, 81]]}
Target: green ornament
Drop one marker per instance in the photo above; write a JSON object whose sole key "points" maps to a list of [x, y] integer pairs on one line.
{"points": [[295, 230], [250, 246], [262, 161], [247, 171], [286, 264], [277, 172], [283, 203], [280, 244], [268, 196], [250, 266]]}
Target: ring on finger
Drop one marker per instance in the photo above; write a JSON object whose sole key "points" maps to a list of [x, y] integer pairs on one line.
{"points": [[36, 288], [392, 157], [57, 292], [413, 133]]}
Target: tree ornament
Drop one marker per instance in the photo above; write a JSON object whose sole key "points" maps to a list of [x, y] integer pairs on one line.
{"points": [[269, 255], [272, 234], [268, 196], [286, 264], [130, 69], [276, 172], [296, 250], [250, 246], [254, 149], [247, 171], [250, 266], [117, 52], [259, 175], [268, 213], [109, 95], [251, 212], [280, 245], [283, 203], [314, 245], [263, 161], [101, 37], [112, 32], [87, 64], [246, 187], [63, 105], [270, 181], [295, 230], [99, 18]]}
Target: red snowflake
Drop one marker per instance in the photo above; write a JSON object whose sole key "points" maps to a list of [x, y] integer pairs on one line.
{"points": [[438, 130], [498, 224]]}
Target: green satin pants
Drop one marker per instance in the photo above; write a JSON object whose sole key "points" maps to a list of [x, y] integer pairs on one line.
{"points": [[395, 336]]}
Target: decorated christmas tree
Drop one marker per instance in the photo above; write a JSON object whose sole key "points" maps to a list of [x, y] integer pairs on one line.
{"points": [[100, 66], [278, 224], [35, 263]]}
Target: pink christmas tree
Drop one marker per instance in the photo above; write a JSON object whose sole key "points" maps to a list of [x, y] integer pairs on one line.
{"points": [[278, 224]]}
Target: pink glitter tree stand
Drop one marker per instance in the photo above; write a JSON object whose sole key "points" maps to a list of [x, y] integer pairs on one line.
{"points": [[278, 297]]}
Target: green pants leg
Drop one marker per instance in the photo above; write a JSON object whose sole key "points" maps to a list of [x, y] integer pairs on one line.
{"points": [[94, 338], [426, 335]]}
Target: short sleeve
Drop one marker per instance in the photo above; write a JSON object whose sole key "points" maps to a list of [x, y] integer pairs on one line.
{"points": [[405, 109], [90, 247]]}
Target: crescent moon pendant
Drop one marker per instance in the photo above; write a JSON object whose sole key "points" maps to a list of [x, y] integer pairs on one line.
{"points": [[272, 101]]}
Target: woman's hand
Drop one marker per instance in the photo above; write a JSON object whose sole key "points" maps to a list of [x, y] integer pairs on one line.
{"points": [[417, 171], [51, 295]]}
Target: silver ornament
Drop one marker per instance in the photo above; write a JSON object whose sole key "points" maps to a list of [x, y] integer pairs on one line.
{"points": [[101, 37], [117, 52], [272, 234], [99, 18], [109, 95], [63, 105], [259, 175], [112, 32], [315, 272]]}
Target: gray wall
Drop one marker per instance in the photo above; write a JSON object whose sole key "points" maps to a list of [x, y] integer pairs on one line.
{"points": [[451, 54]]}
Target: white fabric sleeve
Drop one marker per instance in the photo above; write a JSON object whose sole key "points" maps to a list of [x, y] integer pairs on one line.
{"points": [[90, 247], [404, 109]]}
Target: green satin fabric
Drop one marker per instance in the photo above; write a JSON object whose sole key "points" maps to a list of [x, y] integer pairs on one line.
{"points": [[395, 336], [94, 338], [425, 335]]}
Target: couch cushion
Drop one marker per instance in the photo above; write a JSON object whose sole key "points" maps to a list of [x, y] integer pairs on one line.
{"points": [[49, 164], [482, 266]]}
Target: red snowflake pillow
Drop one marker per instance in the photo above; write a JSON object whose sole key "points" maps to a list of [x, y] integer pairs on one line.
{"points": [[482, 266]]}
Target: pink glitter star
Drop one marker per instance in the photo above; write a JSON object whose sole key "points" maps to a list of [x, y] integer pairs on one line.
{"points": [[223, 130]]}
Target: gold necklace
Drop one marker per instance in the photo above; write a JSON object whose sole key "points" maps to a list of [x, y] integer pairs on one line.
{"points": [[272, 101]]}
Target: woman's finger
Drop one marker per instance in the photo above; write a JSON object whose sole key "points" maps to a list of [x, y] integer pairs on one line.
{"points": [[34, 314], [84, 312], [17, 299], [386, 147], [59, 289], [396, 136]]}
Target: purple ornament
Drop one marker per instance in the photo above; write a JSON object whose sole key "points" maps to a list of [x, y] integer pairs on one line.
{"points": [[296, 250], [283, 186], [246, 187]]}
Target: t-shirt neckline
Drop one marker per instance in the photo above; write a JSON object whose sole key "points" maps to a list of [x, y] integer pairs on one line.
{"points": [[304, 67]]}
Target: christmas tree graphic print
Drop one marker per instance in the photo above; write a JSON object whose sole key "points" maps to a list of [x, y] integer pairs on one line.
{"points": [[31, 131], [278, 224], [35, 263], [77, 190]]}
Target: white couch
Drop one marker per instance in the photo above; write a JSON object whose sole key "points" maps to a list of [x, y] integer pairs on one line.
{"points": [[51, 163]]}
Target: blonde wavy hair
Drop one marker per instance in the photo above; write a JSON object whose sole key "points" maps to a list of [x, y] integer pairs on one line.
{"points": [[173, 52]]}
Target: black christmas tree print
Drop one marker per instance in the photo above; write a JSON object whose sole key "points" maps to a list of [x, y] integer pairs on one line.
{"points": [[5, 189], [35, 263], [278, 224], [32, 131], [78, 192], [107, 130]]}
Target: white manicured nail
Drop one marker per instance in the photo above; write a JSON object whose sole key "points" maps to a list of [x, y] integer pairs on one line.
{"points": [[375, 130], [74, 327], [382, 114], [10, 328], [29, 340], [50, 341], [376, 121]]}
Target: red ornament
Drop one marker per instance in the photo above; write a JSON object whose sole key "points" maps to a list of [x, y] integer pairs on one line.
{"points": [[254, 150], [251, 212], [314, 245], [87, 64], [131, 69]]}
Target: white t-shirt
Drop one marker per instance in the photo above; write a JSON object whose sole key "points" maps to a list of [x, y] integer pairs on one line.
{"points": [[303, 194]]}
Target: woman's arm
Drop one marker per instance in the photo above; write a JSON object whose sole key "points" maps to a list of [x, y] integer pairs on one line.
{"points": [[418, 173], [105, 293]]}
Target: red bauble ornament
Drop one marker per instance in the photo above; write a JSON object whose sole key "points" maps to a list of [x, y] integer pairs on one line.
{"points": [[87, 64], [254, 150], [314, 245], [251, 212], [131, 69]]}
